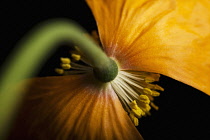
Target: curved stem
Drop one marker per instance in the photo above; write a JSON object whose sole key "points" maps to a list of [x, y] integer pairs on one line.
{"points": [[29, 56]]}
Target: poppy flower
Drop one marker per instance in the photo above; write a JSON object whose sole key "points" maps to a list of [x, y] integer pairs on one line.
{"points": [[144, 38]]}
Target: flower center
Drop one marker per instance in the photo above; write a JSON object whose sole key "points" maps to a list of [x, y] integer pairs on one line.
{"points": [[106, 73], [133, 88]]}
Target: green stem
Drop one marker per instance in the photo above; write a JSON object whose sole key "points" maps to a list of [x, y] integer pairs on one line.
{"points": [[31, 54]]}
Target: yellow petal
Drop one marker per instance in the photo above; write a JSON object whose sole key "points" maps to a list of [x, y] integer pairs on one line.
{"points": [[170, 37], [72, 107]]}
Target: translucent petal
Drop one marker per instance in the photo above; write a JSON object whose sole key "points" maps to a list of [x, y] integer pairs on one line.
{"points": [[170, 37], [72, 107]]}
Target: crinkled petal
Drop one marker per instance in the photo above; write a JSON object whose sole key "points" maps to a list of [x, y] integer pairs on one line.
{"points": [[72, 108], [170, 37]]}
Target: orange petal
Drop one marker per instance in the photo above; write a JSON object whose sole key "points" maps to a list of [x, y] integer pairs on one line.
{"points": [[170, 37], [73, 107]]}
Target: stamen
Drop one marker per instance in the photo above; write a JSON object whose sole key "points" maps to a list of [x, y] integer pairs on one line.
{"points": [[136, 92], [131, 92], [133, 105], [145, 107], [66, 66], [151, 92], [152, 78], [122, 97], [59, 71], [76, 57], [130, 75], [154, 106], [71, 68], [74, 72], [130, 81], [121, 92], [155, 87], [80, 67], [135, 109], [134, 119], [144, 99], [65, 60]]}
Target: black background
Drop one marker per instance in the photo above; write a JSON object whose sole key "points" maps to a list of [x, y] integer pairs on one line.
{"points": [[184, 111]]}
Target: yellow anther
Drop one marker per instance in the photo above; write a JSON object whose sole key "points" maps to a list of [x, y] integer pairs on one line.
{"points": [[134, 105], [150, 98], [149, 79], [135, 109], [151, 92], [138, 112], [144, 98], [145, 107], [154, 106], [66, 66], [65, 60], [155, 93], [76, 57], [134, 119], [147, 91], [152, 78], [143, 113], [155, 87], [59, 71]]}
